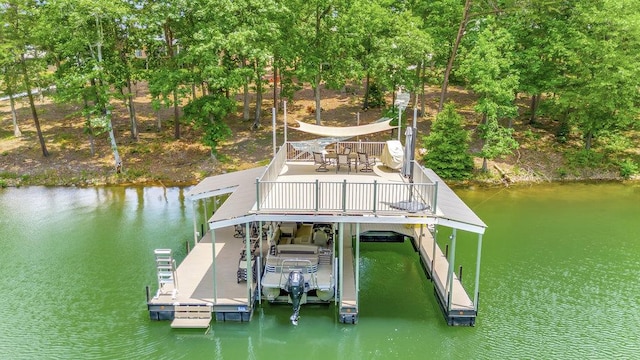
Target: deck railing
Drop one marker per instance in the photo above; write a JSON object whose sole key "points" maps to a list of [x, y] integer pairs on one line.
{"points": [[347, 197], [318, 196], [303, 151]]}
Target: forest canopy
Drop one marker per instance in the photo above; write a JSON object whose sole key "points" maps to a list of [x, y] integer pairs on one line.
{"points": [[577, 61]]}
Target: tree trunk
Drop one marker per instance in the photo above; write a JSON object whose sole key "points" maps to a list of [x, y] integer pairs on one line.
{"points": [[132, 112], [365, 105], [14, 116], [176, 116], [246, 112], [316, 94], [484, 164], [447, 72], [34, 112], [114, 145], [422, 92], [256, 120], [534, 107], [92, 146], [588, 137]]}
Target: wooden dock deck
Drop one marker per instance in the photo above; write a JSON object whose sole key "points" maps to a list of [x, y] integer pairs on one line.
{"points": [[195, 277]]}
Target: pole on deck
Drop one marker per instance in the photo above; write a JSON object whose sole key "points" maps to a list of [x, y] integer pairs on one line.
{"points": [[452, 258], [341, 262], [477, 290], [273, 120], [284, 109], [213, 266]]}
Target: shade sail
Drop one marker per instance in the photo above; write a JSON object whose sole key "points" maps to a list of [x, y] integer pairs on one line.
{"points": [[345, 131]]}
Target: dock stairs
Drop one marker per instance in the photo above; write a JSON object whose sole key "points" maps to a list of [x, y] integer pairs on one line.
{"points": [[192, 316]]}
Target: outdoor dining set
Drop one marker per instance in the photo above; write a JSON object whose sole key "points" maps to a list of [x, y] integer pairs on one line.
{"points": [[343, 159]]}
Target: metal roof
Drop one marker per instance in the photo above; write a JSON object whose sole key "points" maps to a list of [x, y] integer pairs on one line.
{"points": [[240, 206], [224, 183], [452, 211]]}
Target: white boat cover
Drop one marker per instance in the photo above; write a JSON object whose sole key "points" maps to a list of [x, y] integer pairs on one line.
{"points": [[345, 131], [392, 155]]}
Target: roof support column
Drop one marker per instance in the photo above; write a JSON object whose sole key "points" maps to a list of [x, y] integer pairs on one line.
{"points": [[195, 221], [340, 262], [247, 256], [213, 266], [452, 258], [476, 292], [358, 265]]}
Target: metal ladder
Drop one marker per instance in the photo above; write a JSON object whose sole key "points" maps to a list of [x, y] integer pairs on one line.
{"points": [[166, 270]]}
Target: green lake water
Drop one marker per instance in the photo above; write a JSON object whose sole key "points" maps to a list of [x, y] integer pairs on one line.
{"points": [[559, 280]]}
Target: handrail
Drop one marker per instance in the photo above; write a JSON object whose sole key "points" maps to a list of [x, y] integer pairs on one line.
{"points": [[342, 196]]}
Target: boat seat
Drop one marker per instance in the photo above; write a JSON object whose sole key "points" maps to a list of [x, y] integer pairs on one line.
{"points": [[320, 238]]}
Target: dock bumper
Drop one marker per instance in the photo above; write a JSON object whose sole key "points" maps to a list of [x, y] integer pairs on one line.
{"points": [[233, 313], [348, 315], [457, 317]]}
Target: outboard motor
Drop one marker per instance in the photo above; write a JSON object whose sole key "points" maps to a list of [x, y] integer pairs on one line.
{"points": [[295, 288]]}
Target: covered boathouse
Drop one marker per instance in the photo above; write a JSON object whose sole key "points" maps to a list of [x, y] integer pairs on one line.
{"points": [[377, 197]]}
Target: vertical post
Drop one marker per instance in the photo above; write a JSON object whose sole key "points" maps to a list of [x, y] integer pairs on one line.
{"points": [[357, 260], [257, 194], [206, 219], [399, 121], [195, 221], [358, 124], [317, 200], [434, 200], [476, 291], [433, 254], [452, 258], [284, 109], [375, 195], [247, 243], [273, 121], [213, 266], [344, 195], [415, 118], [341, 261]]}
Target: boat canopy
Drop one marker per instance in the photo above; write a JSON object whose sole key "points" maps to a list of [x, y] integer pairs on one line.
{"points": [[345, 131]]}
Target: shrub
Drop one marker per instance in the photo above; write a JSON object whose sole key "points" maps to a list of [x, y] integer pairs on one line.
{"points": [[628, 168], [448, 146]]}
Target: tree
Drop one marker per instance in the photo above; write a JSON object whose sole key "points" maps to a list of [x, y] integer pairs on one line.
{"points": [[599, 92], [20, 19], [488, 68], [498, 141], [207, 114], [448, 146]]}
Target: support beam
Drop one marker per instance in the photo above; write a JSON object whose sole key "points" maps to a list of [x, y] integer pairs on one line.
{"points": [[213, 266], [476, 292], [341, 262], [357, 260], [195, 221], [452, 258], [247, 243]]}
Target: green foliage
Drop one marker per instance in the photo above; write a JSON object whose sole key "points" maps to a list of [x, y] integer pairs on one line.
{"points": [[207, 113], [563, 131], [628, 168], [498, 140], [584, 158], [376, 96], [448, 146]]}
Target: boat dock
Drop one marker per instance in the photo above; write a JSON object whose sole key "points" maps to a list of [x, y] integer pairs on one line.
{"points": [[289, 196]]}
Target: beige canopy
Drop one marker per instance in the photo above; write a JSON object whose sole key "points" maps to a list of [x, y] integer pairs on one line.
{"points": [[346, 131]]}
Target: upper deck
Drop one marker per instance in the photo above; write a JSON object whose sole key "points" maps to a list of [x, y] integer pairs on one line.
{"points": [[291, 185]]}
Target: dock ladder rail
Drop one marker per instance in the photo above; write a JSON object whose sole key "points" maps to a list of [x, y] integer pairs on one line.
{"points": [[166, 270]]}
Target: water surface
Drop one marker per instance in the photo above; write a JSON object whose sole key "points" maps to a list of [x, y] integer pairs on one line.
{"points": [[559, 279]]}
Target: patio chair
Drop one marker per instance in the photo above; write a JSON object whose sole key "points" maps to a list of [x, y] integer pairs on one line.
{"points": [[318, 159], [343, 159], [346, 151], [366, 162]]}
